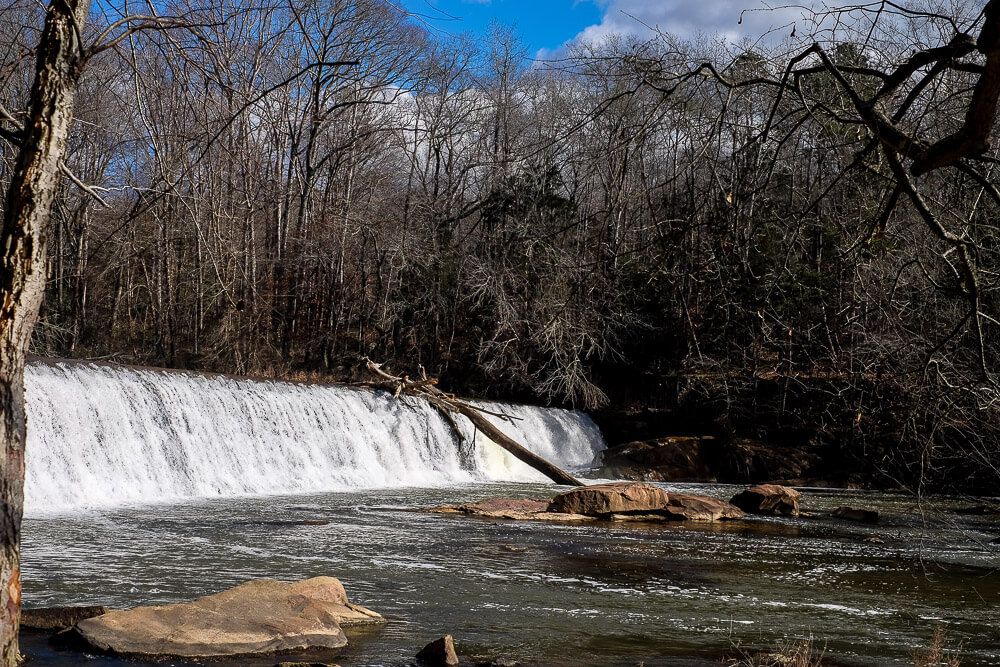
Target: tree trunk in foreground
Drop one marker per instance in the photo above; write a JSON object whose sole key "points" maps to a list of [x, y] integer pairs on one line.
{"points": [[22, 276]]}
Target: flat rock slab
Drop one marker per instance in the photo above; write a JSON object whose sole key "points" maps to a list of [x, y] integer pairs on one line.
{"points": [[258, 617], [511, 509]]}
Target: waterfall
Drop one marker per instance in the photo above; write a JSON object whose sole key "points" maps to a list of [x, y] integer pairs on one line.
{"points": [[102, 435]]}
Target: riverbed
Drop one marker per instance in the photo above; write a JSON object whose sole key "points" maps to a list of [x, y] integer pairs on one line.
{"points": [[548, 594]]}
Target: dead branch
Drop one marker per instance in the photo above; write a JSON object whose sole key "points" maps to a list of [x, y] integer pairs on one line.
{"points": [[426, 388]]}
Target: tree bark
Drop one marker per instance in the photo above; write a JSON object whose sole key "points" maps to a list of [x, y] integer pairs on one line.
{"points": [[22, 276]]}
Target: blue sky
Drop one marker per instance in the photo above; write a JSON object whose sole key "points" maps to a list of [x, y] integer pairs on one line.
{"points": [[542, 24], [545, 25]]}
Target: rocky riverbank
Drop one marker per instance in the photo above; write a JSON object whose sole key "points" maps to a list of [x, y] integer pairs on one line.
{"points": [[724, 459]]}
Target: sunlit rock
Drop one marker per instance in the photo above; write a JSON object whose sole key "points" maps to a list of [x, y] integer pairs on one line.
{"points": [[262, 616], [606, 499]]}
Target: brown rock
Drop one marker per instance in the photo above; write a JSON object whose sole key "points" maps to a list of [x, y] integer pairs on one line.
{"points": [[687, 507], [58, 618], [505, 505], [439, 653], [768, 499], [855, 514], [262, 616], [693, 507], [630, 502], [605, 499]]}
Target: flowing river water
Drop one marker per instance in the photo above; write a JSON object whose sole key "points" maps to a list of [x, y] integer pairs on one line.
{"points": [[132, 525]]}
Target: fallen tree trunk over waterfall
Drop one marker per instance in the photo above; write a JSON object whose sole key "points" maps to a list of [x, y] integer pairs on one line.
{"points": [[450, 405]]}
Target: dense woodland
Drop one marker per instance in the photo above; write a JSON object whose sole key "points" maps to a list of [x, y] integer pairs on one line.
{"points": [[281, 189]]}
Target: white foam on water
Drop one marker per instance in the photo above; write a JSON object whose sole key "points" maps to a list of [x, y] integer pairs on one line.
{"points": [[101, 435]]}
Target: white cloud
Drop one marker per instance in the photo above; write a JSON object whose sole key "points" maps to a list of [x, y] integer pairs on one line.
{"points": [[690, 18]]}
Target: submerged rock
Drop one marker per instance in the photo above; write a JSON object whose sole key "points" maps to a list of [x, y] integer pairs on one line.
{"points": [[607, 499], [855, 514], [58, 618], [258, 617], [768, 499], [439, 653]]}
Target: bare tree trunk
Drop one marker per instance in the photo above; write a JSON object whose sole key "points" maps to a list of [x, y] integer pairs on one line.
{"points": [[22, 276], [446, 403], [553, 472]]}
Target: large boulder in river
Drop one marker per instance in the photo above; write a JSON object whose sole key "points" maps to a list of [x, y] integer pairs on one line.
{"points": [[768, 499], [262, 616], [607, 499]]}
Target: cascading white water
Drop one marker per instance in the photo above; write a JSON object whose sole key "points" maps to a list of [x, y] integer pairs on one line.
{"points": [[107, 435]]}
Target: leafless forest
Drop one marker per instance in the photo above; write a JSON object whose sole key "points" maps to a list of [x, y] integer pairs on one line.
{"points": [[791, 237]]}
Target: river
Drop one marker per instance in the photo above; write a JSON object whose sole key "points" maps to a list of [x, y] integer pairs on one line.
{"points": [[552, 594], [147, 487]]}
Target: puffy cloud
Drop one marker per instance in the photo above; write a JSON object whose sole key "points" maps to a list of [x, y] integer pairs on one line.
{"points": [[689, 18]]}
